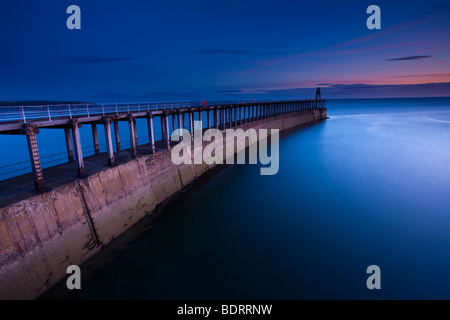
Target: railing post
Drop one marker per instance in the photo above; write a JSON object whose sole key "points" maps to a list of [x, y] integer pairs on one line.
{"points": [[49, 116]]}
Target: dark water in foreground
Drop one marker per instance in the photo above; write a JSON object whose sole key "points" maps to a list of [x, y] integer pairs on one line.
{"points": [[371, 185]]}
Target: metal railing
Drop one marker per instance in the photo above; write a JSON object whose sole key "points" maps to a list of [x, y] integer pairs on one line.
{"points": [[64, 111]]}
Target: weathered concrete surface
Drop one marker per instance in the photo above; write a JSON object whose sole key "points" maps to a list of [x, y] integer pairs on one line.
{"points": [[42, 235]]}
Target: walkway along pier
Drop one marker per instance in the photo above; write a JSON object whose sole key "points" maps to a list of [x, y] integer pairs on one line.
{"points": [[42, 235], [28, 120]]}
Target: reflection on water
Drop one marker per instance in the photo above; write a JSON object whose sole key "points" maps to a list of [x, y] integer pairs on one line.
{"points": [[368, 186]]}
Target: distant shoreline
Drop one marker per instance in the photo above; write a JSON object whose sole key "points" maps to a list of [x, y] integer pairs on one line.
{"points": [[39, 103]]}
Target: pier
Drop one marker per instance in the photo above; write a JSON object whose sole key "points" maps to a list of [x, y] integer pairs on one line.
{"points": [[27, 120], [81, 205]]}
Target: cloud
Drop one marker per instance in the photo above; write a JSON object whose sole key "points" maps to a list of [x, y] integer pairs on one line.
{"points": [[340, 91], [408, 58], [237, 52], [230, 91], [151, 96], [89, 59], [441, 8]]}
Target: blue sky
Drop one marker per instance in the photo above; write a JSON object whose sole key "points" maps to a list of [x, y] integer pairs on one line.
{"points": [[191, 50]]}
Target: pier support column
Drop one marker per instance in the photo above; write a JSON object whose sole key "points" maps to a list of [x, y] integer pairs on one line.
{"points": [[116, 134], [95, 137], [132, 127], [163, 132], [216, 125], [166, 136], [69, 144], [227, 118], [200, 118], [151, 135], [135, 131], [34, 158], [173, 122], [108, 140], [191, 124], [208, 116], [78, 150], [180, 125]]}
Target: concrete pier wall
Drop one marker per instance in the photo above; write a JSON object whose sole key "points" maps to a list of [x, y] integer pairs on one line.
{"points": [[41, 236]]}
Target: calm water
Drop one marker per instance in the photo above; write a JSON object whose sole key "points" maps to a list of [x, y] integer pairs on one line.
{"points": [[371, 185]]}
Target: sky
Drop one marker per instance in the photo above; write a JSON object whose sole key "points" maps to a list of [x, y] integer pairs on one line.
{"points": [[154, 50]]}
